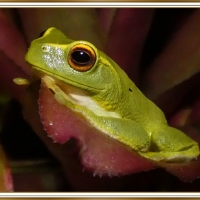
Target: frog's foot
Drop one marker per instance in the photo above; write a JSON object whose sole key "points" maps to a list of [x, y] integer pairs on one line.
{"points": [[173, 157], [172, 145]]}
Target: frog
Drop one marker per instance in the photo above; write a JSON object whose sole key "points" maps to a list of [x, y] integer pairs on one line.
{"points": [[87, 81]]}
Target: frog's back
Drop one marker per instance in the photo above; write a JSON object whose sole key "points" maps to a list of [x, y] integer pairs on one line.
{"points": [[136, 106]]}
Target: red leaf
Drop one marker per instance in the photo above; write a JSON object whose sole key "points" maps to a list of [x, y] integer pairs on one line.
{"points": [[99, 153]]}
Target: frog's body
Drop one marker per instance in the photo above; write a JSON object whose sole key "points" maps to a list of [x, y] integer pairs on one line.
{"points": [[90, 83]]}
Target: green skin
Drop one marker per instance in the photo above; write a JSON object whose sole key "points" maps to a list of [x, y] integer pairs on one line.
{"points": [[123, 112]]}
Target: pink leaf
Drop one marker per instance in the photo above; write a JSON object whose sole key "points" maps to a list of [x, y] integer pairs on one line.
{"points": [[98, 152]]}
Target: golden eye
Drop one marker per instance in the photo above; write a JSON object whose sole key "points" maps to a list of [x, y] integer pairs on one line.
{"points": [[82, 57]]}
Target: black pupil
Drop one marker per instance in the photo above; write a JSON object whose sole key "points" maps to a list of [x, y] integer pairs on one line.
{"points": [[80, 57]]}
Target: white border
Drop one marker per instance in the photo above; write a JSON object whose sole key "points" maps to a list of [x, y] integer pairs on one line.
{"points": [[101, 195], [98, 4]]}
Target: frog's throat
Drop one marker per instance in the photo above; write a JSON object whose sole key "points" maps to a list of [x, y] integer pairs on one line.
{"points": [[75, 98]]}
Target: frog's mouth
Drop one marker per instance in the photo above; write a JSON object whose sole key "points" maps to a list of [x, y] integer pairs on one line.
{"points": [[40, 72]]}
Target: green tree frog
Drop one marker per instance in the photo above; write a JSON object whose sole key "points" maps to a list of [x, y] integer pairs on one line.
{"points": [[91, 84]]}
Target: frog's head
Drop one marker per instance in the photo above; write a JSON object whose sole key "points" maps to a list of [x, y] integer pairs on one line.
{"points": [[77, 63]]}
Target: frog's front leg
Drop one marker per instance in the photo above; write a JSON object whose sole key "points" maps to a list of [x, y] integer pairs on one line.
{"points": [[170, 144], [126, 131]]}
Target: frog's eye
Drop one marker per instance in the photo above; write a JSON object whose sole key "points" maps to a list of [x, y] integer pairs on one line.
{"points": [[82, 57]]}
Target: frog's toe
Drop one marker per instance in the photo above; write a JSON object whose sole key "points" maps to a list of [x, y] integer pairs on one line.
{"points": [[186, 155]]}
